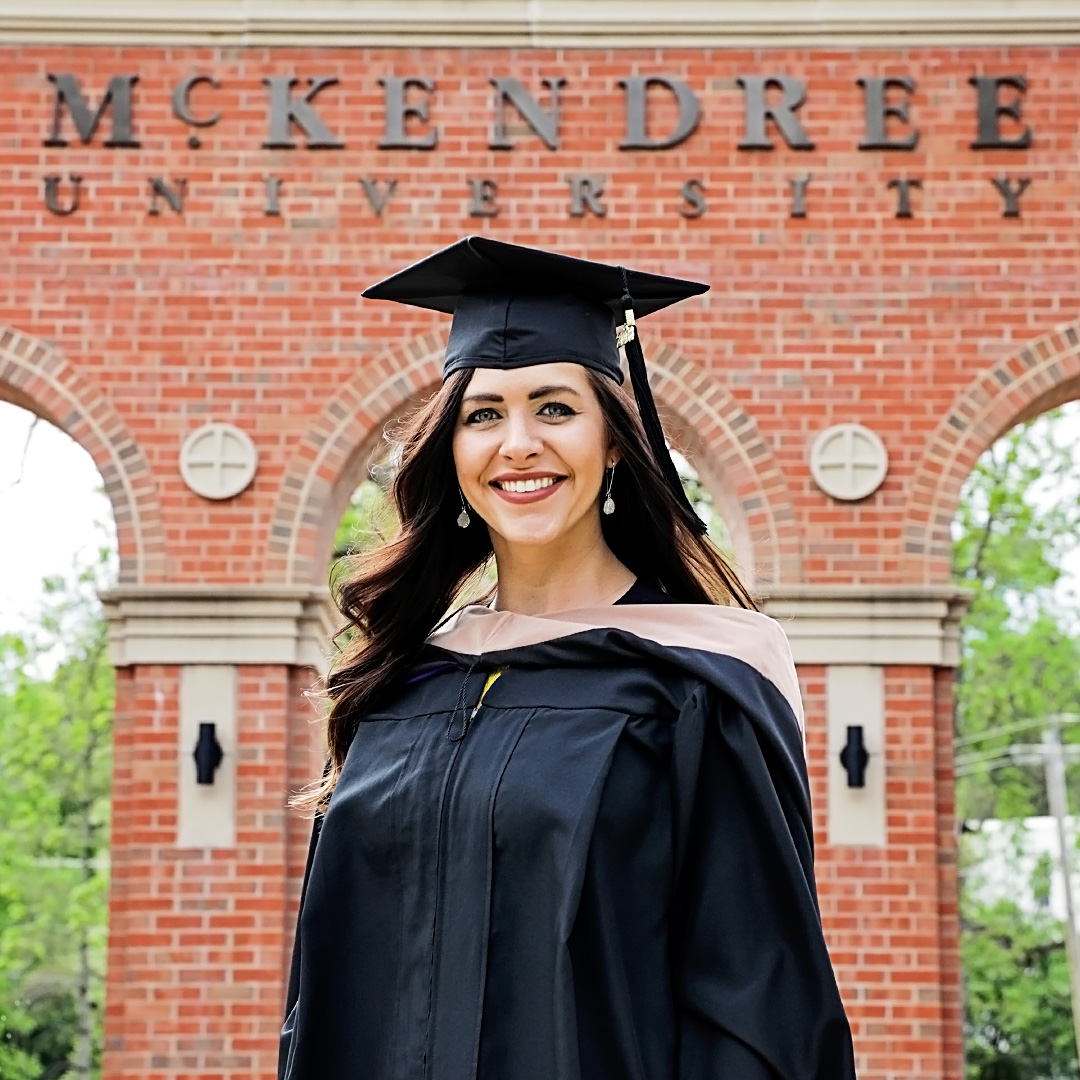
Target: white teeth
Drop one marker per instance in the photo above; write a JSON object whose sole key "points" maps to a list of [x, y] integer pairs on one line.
{"points": [[526, 485]]}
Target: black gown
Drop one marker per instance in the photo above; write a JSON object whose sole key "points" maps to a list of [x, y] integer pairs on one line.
{"points": [[595, 866]]}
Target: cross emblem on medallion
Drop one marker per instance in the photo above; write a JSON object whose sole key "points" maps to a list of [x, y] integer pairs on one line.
{"points": [[217, 461], [849, 461]]}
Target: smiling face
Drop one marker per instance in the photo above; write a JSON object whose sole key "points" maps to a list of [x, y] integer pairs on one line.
{"points": [[530, 450]]}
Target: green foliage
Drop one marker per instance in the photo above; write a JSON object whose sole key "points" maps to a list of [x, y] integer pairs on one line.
{"points": [[1018, 518], [369, 520], [55, 772], [702, 502], [1019, 1018]]}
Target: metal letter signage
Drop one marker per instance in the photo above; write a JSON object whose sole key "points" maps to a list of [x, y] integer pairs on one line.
{"points": [[798, 195], [398, 111], [272, 208], [118, 94], [159, 189], [903, 195], [637, 106], [991, 109], [181, 105], [544, 122], [878, 111], [378, 199], [285, 110], [694, 204], [52, 192], [758, 110], [484, 192], [585, 193], [1011, 194], [771, 103]]}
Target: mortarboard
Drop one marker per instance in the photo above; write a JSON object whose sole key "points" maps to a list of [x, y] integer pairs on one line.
{"points": [[516, 306]]}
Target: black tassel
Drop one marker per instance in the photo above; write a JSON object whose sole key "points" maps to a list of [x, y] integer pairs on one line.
{"points": [[650, 418]]}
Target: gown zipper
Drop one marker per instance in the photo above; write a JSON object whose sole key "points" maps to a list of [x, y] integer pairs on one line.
{"points": [[457, 740]]}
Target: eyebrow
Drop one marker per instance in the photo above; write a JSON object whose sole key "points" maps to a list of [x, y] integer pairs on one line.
{"points": [[539, 392]]}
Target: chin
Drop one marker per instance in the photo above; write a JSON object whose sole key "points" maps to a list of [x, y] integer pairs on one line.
{"points": [[530, 533]]}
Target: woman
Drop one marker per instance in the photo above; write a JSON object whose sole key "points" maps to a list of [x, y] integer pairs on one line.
{"points": [[567, 834]]}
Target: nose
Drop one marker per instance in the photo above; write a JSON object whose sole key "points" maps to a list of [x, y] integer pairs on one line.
{"points": [[521, 440]]}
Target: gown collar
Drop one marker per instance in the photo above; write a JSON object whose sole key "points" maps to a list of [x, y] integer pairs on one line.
{"points": [[749, 636]]}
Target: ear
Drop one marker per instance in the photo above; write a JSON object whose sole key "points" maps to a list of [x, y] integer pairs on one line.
{"points": [[613, 457]]}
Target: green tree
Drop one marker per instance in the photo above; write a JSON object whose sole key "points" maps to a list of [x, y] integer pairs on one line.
{"points": [[702, 502], [55, 772], [1018, 519], [1019, 1019], [368, 520]]}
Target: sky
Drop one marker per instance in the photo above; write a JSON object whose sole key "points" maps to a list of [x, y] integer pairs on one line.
{"points": [[53, 511], [54, 514]]}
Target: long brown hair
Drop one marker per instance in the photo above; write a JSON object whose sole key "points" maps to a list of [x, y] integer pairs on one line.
{"points": [[393, 596]]}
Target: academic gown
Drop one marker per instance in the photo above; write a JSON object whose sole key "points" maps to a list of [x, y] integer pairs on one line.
{"points": [[572, 847]]}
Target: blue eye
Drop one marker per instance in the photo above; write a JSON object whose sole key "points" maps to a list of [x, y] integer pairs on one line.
{"points": [[481, 416], [556, 409]]}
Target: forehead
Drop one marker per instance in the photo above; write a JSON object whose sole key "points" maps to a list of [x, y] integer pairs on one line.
{"points": [[514, 382]]}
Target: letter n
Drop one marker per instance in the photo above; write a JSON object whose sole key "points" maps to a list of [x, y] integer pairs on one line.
{"points": [[160, 189]]}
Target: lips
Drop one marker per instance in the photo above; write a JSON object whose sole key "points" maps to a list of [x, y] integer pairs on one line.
{"points": [[520, 486], [527, 489]]}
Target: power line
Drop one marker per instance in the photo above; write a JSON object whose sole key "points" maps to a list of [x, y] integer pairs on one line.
{"points": [[1008, 729], [1005, 756]]}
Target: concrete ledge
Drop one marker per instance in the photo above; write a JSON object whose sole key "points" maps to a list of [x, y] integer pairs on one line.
{"points": [[871, 624], [280, 625], [552, 23], [219, 625]]}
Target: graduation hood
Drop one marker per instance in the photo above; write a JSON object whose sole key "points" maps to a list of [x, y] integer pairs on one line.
{"points": [[755, 639]]}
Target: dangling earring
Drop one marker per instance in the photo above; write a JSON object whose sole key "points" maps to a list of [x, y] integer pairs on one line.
{"points": [[609, 502], [463, 519]]}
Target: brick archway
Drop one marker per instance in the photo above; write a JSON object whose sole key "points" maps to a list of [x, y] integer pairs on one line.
{"points": [[736, 464], [733, 458], [304, 517], [36, 376], [1042, 375]]}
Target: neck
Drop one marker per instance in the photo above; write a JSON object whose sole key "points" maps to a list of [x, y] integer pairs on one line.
{"points": [[573, 572]]}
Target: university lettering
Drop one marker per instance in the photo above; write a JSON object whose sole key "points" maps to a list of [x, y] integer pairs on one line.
{"points": [[660, 112]]}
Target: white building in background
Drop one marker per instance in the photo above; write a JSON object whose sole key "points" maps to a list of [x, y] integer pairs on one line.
{"points": [[1002, 858]]}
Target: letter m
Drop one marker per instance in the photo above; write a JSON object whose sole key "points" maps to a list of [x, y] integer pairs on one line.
{"points": [[117, 94]]}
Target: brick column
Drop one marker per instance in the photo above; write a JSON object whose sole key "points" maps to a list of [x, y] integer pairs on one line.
{"points": [[888, 902], [200, 913]]}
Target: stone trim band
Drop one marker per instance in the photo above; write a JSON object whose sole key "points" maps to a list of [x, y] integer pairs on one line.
{"points": [[292, 625], [201, 624], [540, 23]]}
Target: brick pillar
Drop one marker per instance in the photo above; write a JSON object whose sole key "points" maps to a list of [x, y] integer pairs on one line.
{"points": [[200, 912], [888, 902]]}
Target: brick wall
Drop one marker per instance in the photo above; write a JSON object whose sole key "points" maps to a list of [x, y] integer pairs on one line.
{"points": [[130, 329]]}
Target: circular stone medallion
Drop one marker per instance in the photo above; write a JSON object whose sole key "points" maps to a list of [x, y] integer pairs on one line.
{"points": [[217, 461], [849, 461]]}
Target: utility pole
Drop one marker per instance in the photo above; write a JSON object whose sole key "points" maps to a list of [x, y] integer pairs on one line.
{"points": [[1059, 808]]}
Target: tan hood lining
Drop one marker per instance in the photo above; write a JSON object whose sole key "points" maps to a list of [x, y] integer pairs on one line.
{"points": [[748, 636]]}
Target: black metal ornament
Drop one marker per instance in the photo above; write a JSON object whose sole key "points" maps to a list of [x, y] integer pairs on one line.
{"points": [[855, 757], [207, 754]]}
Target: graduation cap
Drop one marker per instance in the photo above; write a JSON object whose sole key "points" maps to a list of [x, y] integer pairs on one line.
{"points": [[517, 306]]}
